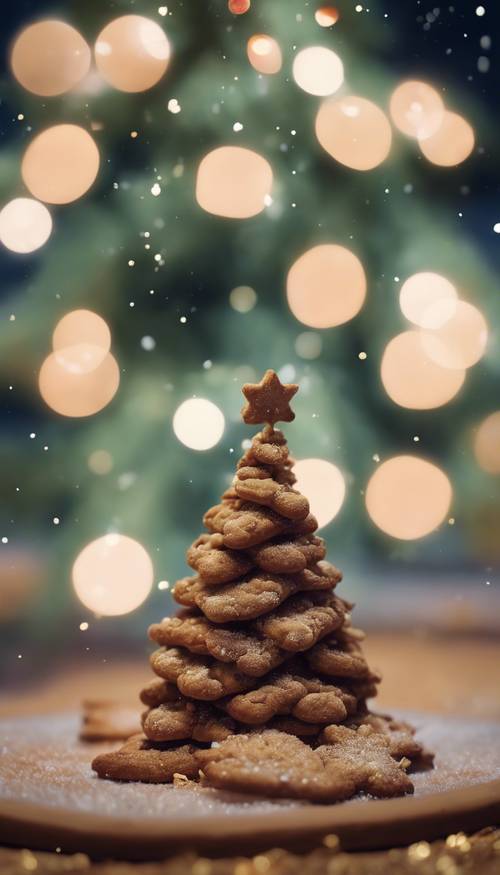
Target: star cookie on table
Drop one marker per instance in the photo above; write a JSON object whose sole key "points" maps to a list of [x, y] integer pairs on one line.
{"points": [[268, 401]]}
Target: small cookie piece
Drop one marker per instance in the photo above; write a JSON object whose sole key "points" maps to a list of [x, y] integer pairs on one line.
{"points": [[273, 764], [323, 575], [174, 721], [399, 734], [185, 631], [251, 654], [158, 691], [249, 526], [214, 563], [196, 676], [278, 496], [334, 659], [216, 516], [107, 720], [302, 621], [244, 600], [140, 760]]}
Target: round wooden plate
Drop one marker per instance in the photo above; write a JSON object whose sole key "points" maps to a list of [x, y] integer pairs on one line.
{"points": [[50, 798]]}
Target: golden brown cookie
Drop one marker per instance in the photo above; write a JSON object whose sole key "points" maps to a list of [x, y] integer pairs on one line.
{"points": [[329, 657], [214, 563], [199, 677], [301, 621], [277, 496], [250, 525], [250, 653], [174, 721], [288, 555], [140, 760], [107, 720], [187, 630], [274, 764], [268, 401], [158, 691], [400, 736], [231, 602]]}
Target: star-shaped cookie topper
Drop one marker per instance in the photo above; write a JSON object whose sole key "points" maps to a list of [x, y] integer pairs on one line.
{"points": [[268, 401]]}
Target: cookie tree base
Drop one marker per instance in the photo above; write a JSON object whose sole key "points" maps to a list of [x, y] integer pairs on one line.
{"points": [[50, 798]]}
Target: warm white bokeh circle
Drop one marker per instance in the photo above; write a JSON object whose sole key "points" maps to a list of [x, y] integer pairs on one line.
{"points": [[326, 16], [354, 131], [60, 164], [408, 497], [25, 225], [460, 340], [75, 393], [323, 485], [421, 292], [49, 57], [487, 443], [318, 71], [198, 424], [451, 144], [416, 109], [132, 53], [414, 380], [243, 299], [326, 286], [308, 345], [264, 54], [81, 340], [113, 575], [233, 182]]}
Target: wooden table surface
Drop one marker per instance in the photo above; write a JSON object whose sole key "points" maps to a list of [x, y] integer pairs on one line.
{"points": [[451, 675]]}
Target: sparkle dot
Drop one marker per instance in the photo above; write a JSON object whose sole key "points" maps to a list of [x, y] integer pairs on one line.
{"points": [[5, 540], [133, 134], [362, 356], [56, 520], [131, 262], [162, 10], [84, 627], [33, 435], [155, 190], [173, 106], [148, 343], [496, 227], [163, 584], [237, 127], [207, 364], [480, 11], [416, 438], [183, 319], [451, 521]]}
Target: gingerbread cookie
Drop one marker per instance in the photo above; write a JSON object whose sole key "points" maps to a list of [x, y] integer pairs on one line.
{"points": [[329, 657], [107, 720], [274, 764], [302, 621], [244, 600], [277, 496], [179, 720], [287, 555], [198, 677], [140, 760], [214, 563]]}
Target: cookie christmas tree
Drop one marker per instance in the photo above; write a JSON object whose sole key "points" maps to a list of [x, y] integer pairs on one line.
{"points": [[260, 680]]}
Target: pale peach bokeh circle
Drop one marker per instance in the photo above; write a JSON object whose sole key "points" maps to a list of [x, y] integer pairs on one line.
{"points": [[132, 53], [113, 575], [198, 424], [264, 54], [408, 497], [412, 379], [81, 340], [318, 71], [25, 225], [416, 109], [60, 164], [49, 58], [326, 286], [233, 182], [451, 144], [418, 295], [323, 485], [76, 394], [460, 340], [354, 131], [326, 16], [487, 443]]}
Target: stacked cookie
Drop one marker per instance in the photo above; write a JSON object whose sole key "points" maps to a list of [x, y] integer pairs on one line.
{"points": [[262, 650]]}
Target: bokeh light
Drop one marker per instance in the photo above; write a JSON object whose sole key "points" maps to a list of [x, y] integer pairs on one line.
{"points": [[416, 109], [264, 54], [308, 345], [49, 57], [414, 380], [81, 341], [323, 485], [113, 575], [25, 225], [420, 294], [238, 7], [318, 71], [100, 462], [451, 144], [354, 131], [78, 394], [326, 286], [487, 443], [243, 299], [408, 497], [460, 340], [198, 424], [132, 53], [233, 182], [326, 16], [60, 164]]}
